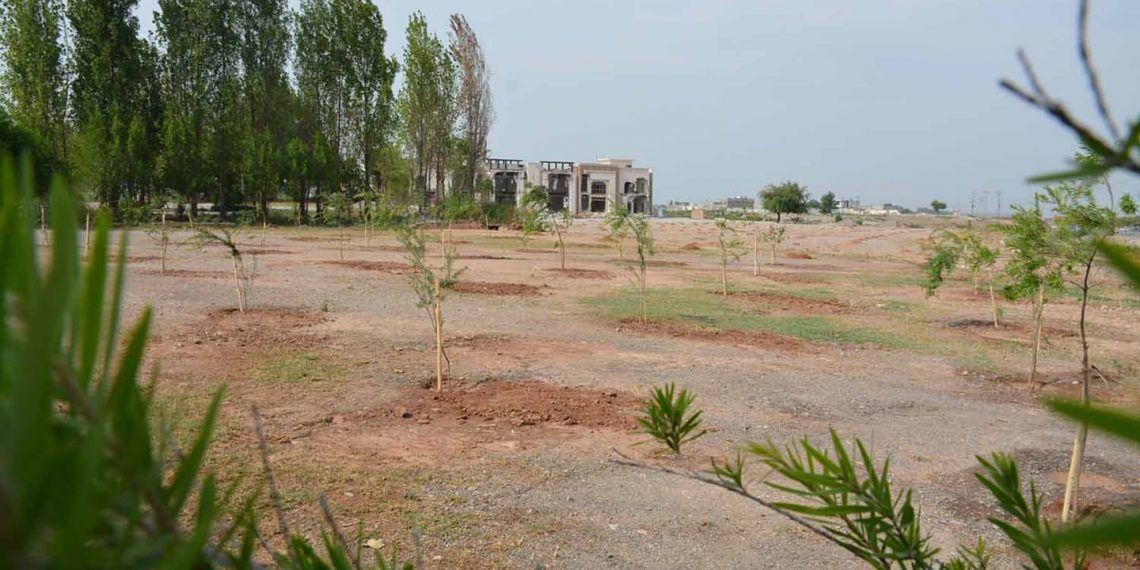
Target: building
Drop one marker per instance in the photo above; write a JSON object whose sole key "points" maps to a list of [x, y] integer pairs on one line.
{"points": [[582, 187], [740, 203]]}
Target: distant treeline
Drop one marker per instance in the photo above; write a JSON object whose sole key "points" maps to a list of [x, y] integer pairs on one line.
{"points": [[237, 103]]}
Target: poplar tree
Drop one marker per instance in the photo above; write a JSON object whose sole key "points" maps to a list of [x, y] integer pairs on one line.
{"points": [[34, 76]]}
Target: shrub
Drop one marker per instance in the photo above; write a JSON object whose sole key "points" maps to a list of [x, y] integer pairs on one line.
{"points": [[667, 418]]}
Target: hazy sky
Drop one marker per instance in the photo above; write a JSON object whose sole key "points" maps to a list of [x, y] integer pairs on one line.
{"points": [[890, 100]]}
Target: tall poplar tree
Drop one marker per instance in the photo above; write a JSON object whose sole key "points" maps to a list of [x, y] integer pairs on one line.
{"points": [[34, 76], [426, 105], [474, 105]]}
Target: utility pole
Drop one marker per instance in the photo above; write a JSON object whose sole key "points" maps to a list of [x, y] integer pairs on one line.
{"points": [[985, 203], [973, 201], [998, 204]]}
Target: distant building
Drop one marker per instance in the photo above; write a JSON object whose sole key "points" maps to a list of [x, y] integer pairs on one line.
{"points": [[583, 187], [739, 203]]}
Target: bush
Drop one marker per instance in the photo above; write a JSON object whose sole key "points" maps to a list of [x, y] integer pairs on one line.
{"points": [[667, 419]]}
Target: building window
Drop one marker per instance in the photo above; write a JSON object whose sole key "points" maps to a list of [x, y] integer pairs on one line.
{"points": [[598, 187]]}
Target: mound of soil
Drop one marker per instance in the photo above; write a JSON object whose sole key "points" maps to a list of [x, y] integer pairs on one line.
{"points": [[583, 273], [759, 339], [492, 288], [532, 250], [189, 273], [794, 304], [393, 267], [269, 252], [798, 255], [691, 246], [985, 325], [483, 256], [521, 404], [255, 328]]}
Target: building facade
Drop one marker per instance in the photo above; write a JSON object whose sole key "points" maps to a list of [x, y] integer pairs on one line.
{"points": [[580, 187]]}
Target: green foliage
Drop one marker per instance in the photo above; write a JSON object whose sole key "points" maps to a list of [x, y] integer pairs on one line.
{"points": [[948, 249], [90, 478], [1033, 259], [667, 419], [731, 248], [1128, 205], [938, 206], [827, 203], [785, 198], [643, 238], [424, 276], [617, 222], [530, 215], [460, 207]]}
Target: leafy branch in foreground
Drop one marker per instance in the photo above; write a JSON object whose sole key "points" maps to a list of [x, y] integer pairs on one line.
{"points": [[667, 418], [88, 478]]}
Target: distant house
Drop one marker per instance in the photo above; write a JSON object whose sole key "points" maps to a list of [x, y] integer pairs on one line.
{"points": [[740, 203], [581, 187]]}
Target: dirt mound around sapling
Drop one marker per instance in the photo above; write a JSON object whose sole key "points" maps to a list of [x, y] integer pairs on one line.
{"points": [[521, 404], [393, 267], [189, 273], [986, 325], [583, 273], [798, 255], [254, 328], [503, 289], [691, 246], [755, 339], [792, 303]]}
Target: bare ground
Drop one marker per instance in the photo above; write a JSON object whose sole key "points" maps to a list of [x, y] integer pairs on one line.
{"points": [[511, 465]]}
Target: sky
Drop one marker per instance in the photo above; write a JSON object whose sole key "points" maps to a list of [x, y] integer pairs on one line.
{"points": [[886, 100]]}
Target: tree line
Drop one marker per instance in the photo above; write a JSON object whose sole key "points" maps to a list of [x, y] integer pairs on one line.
{"points": [[235, 103]]}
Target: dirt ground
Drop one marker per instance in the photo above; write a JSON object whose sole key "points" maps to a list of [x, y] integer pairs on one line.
{"points": [[512, 465]]}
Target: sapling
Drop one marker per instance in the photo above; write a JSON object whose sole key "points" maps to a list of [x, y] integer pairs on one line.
{"points": [[531, 214], [1080, 226], [338, 211], [639, 229], [431, 285], [731, 249], [560, 222], [774, 236], [1034, 267], [617, 222], [229, 239], [160, 235], [948, 249]]}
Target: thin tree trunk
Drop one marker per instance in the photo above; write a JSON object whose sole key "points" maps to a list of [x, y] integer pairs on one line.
{"points": [[437, 313], [772, 251], [756, 255], [237, 285], [87, 236], [1076, 463], [1037, 333], [993, 302], [724, 274], [641, 291]]}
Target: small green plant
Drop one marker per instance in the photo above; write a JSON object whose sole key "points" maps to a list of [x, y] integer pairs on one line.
{"points": [[530, 214], [617, 222], [947, 249], [338, 212], [774, 236], [731, 249], [667, 418], [431, 285]]}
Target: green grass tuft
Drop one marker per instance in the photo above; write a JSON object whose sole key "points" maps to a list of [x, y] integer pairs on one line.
{"points": [[298, 367]]}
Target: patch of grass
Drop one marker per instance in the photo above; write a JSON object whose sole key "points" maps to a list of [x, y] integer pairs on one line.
{"points": [[298, 367], [703, 308], [896, 306]]}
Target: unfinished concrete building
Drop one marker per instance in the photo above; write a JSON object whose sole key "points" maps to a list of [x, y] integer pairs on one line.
{"points": [[508, 180], [557, 177]]}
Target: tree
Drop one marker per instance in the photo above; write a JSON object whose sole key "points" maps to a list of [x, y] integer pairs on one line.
{"points": [[785, 198], [531, 213], [431, 285], [560, 222], [1128, 205], [773, 237], [1080, 227], [938, 206], [243, 276], [475, 106], [426, 105], [948, 249], [827, 203], [34, 73], [731, 248], [105, 96], [1033, 268]]}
